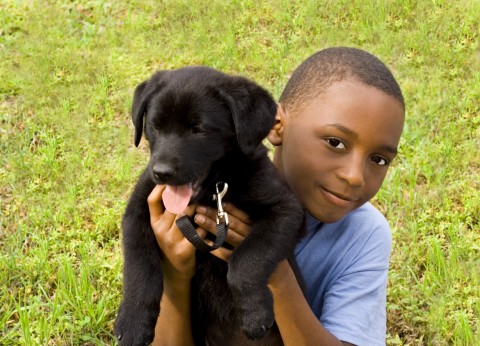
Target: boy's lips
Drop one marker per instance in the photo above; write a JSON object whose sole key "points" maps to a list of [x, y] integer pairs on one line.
{"points": [[338, 199]]}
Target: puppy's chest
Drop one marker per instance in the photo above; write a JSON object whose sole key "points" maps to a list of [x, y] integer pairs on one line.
{"points": [[214, 306]]}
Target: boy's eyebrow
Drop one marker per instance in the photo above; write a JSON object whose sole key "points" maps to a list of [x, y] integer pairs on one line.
{"points": [[345, 130], [351, 133], [390, 149]]}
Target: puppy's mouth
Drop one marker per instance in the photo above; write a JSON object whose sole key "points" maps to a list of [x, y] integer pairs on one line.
{"points": [[177, 197]]}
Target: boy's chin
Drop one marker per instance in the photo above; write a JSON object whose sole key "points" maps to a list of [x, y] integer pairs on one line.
{"points": [[328, 216]]}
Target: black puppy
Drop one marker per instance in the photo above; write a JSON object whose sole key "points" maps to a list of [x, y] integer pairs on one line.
{"points": [[205, 127]]}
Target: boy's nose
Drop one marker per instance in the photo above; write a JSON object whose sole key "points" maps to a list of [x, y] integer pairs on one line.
{"points": [[353, 174]]}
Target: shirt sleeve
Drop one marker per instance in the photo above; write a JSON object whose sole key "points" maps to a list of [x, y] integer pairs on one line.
{"points": [[354, 308]]}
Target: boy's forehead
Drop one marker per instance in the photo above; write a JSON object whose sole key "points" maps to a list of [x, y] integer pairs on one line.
{"points": [[346, 94], [352, 106]]}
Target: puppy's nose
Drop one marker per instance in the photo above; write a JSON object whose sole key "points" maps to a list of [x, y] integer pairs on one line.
{"points": [[163, 172]]}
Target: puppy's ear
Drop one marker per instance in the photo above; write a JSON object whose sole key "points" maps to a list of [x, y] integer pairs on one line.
{"points": [[141, 98], [139, 106], [253, 110]]}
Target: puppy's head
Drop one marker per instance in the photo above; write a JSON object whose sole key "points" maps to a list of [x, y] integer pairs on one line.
{"points": [[193, 117]]}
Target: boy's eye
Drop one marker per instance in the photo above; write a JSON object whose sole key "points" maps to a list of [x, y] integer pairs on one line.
{"points": [[380, 160], [336, 143]]}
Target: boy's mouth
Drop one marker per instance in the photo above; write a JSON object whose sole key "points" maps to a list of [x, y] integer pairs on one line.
{"points": [[338, 199]]}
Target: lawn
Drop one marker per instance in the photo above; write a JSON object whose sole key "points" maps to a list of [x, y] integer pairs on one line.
{"points": [[67, 159]]}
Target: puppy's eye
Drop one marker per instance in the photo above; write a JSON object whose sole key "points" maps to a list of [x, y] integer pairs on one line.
{"points": [[157, 125], [198, 130]]}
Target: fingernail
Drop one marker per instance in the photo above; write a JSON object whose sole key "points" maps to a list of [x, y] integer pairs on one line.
{"points": [[201, 209], [199, 219]]}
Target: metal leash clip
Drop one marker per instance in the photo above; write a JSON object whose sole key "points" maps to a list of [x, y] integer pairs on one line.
{"points": [[222, 216]]}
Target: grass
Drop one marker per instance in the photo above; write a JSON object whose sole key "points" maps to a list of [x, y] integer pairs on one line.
{"points": [[68, 162]]}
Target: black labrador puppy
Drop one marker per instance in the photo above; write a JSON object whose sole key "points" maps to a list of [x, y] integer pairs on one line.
{"points": [[205, 131]]}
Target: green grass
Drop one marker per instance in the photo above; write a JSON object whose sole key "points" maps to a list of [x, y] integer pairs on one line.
{"points": [[68, 162]]}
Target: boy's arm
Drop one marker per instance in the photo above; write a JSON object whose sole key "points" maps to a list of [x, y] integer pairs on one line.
{"points": [[178, 262], [294, 317], [173, 324]]}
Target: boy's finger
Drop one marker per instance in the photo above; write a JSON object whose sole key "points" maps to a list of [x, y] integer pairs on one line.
{"points": [[238, 230], [177, 235], [241, 228], [206, 223], [222, 253], [202, 234], [188, 211], [210, 213], [168, 218], [155, 204], [234, 238], [239, 214]]}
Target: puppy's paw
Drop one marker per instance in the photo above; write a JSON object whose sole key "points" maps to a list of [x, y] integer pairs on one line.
{"points": [[134, 329], [257, 322], [254, 304], [257, 314]]}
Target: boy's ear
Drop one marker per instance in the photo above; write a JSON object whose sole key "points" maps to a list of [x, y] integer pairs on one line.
{"points": [[275, 136]]}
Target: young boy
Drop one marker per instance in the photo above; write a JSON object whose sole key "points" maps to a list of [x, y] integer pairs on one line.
{"points": [[337, 130]]}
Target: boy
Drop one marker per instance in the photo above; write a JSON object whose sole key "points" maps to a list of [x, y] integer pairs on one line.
{"points": [[337, 129]]}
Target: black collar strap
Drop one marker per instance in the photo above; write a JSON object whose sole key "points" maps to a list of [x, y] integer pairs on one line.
{"points": [[186, 227]]}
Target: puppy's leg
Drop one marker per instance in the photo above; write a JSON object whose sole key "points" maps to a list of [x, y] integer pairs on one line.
{"points": [[142, 275], [271, 240]]}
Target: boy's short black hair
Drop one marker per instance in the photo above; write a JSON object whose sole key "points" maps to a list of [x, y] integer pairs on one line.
{"points": [[331, 65]]}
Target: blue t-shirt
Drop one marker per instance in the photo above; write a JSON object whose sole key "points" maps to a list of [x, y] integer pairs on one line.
{"points": [[345, 267]]}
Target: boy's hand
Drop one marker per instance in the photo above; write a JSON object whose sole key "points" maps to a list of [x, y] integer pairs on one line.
{"points": [[178, 254], [238, 229]]}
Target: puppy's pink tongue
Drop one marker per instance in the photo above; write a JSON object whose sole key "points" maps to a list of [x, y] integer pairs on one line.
{"points": [[176, 198]]}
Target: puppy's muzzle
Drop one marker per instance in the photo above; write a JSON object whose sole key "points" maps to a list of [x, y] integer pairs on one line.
{"points": [[163, 172]]}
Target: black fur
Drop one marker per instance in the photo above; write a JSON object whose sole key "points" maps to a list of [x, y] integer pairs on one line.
{"points": [[204, 126]]}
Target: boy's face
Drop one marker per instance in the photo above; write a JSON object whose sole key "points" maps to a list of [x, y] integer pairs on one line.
{"points": [[334, 152]]}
